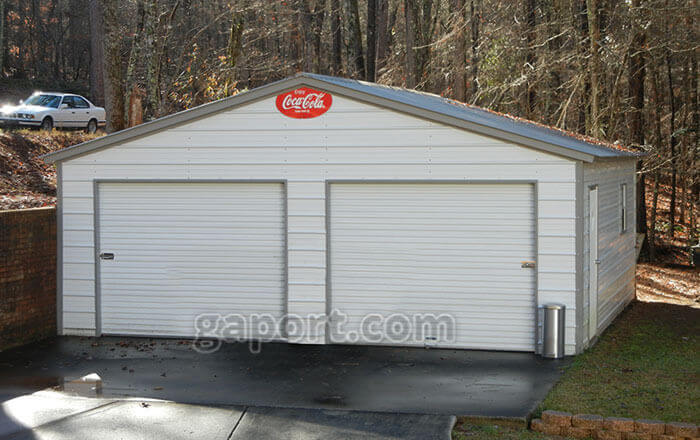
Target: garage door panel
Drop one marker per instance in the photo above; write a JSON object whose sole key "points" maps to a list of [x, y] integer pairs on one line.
{"points": [[433, 248], [183, 249]]}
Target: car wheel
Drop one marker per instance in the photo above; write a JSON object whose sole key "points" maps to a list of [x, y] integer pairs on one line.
{"points": [[92, 126], [47, 124]]}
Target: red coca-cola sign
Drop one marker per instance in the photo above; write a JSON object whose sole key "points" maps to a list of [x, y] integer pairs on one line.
{"points": [[304, 103]]}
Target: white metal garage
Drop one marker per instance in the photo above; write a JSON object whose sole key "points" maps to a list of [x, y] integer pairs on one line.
{"points": [[317, 194], [412, 248], [184, 249]]}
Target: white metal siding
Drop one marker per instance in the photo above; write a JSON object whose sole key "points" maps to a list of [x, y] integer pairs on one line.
{"points": [[351, 141], [616, 251], [436, 248], [184, 249]]}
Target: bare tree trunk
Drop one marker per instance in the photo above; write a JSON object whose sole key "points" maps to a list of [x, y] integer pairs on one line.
{"points": [[409, 13], [684, 198], [113, 84], [686, 119], [594, 67], [382, 34], [2, 38], [581, 15], [150, 36], [356, 38], [33, 47], [96, 53], [135, 106], [635, 94], [337, 37], [135, 56], [531, 57], [474, 20], [654, 207], [371, 40], [641, 200], [234, 49], [694, 166], [306, 28], [658, 138], [425, 23], [159, 51], [319, 17], [460, 52], [672, 142]]}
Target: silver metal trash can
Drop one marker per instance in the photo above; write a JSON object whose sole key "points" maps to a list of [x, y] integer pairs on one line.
{"points": [[553, 331]]}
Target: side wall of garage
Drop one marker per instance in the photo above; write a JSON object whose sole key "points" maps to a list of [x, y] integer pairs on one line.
{"points": [[351, 141], [616, 248]]}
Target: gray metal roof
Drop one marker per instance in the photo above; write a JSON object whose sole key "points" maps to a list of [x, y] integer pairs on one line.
{"points": [[449, 107], [425, 105]]}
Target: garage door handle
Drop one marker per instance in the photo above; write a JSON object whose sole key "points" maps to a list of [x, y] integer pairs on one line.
{"points": [[107, 256], [527, 264]]}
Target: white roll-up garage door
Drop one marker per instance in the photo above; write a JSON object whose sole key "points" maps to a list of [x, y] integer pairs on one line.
{"points": [[453, 251], [185, 249]]}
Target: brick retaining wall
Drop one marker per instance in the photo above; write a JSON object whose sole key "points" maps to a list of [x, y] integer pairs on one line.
{"points": [[27, 276], [611, 428]]}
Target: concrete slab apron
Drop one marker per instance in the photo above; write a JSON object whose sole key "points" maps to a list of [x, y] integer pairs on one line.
{"points": [[310, 424], [384, 379], [167, 420], [141, 420], [39, 408]]}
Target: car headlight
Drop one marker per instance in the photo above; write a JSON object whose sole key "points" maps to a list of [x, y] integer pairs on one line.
{"points": [[26, 115]]}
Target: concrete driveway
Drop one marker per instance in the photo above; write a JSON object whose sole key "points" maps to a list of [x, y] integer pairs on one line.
{"points": [[316, 384], [50, 415]]}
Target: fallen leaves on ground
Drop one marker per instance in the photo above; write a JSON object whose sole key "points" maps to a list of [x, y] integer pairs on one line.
{"points": [[26, 181], [672, 284]]}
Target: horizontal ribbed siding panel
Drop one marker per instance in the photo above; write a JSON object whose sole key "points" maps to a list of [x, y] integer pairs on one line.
{"points": [[436, 248], [183, 249]]}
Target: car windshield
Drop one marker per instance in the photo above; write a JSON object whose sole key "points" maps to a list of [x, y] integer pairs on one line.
{"points": [[44, 100]]}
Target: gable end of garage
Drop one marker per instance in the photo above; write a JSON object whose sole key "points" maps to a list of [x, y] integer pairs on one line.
{"points": [[288, 84]]}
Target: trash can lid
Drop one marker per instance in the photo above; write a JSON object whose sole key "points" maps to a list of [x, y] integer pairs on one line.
{"points": [[554, 306]]}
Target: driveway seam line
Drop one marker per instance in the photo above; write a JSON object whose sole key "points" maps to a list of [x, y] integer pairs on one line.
{"points": [[237, 423]]}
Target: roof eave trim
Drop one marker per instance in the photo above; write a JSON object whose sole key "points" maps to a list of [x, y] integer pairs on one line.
{"points": [[625, 155], [283, 85]]}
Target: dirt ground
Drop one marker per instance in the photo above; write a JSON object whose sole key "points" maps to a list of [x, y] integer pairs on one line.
{"points": [[671, 284], [670, 278], [26, 181]]}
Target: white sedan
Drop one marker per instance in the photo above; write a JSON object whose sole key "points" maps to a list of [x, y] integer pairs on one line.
{"points": [[54, 110]]}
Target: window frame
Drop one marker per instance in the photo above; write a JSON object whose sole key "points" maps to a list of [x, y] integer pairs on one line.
{"points": [[623, 208], [68, 99]]}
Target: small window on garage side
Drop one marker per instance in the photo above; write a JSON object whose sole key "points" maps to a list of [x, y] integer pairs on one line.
{"points": [[623, 208]]}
